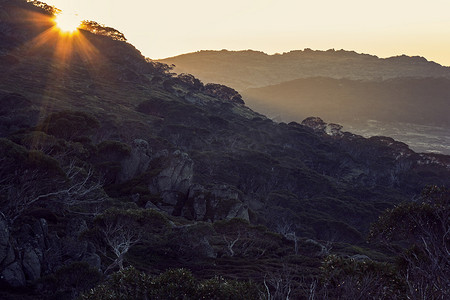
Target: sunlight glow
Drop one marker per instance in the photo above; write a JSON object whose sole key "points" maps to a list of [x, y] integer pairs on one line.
{"points": [[67, 23]]}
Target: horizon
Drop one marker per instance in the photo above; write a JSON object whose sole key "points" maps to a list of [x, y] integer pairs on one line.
{"points": [[385, 30]]}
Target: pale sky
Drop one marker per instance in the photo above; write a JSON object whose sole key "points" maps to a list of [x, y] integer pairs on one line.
{"points": [[165, 28]]}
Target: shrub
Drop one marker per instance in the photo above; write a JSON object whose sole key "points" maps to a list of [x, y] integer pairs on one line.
{"points": [[69, 281], [69, 124]]}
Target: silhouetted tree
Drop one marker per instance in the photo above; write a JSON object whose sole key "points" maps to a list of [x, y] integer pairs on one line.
{"points": [[424, 227], [100, 29]]}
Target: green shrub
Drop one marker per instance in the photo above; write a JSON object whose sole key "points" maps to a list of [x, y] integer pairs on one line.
{"points": [[69, 125], [173, 284], [69, 281]]}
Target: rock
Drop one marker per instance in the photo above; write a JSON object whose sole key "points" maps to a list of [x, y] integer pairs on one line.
{"points": [[71, 245], [216, 202], [204, 249], [93, 260], [172, 197], [137, 162], [359, 257], [13, 275], [10, 256], [196, 208], [31, 264], [40, 230], [177, 176], [239, 210], [4, 239], [150, 205], [173, 182]]}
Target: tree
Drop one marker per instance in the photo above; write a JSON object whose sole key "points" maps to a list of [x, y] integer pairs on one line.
{"points": [[100, 29], [419, 232], [30, 178], [117, 231]]}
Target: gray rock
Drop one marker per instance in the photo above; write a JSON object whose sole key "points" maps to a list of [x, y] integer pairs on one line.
{"points": [[238, 210], [92, 259], [205, 249], [71, 244], [173, 182], [137, 162], [40, 230], [150, 205], [31, 264], [177, 176], [360, 257], [10, 256], [4, 239], [215, 202], [197, 203], [13, 275], [172, 197]]}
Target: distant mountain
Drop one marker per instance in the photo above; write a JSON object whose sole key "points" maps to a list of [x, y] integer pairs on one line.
{"points": [[249, 69]]}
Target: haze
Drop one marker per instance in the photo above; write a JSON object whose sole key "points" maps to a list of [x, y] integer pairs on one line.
{"points": [[385, 28]]}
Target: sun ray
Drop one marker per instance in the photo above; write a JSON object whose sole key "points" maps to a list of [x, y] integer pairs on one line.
{"points": [[67, 23]]}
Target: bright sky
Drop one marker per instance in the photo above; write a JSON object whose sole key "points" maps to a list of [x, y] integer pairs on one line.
{"points": [[384, 28]]}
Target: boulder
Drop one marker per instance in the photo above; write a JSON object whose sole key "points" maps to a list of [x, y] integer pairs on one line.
{"points": [[137, 162], [13, 275], [4, 239], [177, 176], [31, 263], [174, 181], [216, 202]]}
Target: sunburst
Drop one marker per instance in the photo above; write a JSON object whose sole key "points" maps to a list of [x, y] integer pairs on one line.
{"points": [[67, 23]]}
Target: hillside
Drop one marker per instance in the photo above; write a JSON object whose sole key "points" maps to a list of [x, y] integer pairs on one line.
{"points": [[252, 69], [413, 110], [122, 180]]}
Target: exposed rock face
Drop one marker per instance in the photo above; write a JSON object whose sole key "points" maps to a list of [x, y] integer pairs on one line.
{"points": [[137, 162], [4, 239], [13, 275], [33, 251], [173, 182], [214, 203], [32, 263]]}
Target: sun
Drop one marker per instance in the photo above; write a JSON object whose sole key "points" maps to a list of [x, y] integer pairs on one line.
{"points": [[67, 23]]}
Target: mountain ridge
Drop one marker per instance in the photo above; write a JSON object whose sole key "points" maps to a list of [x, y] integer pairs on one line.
{"points": [[277, 68]]}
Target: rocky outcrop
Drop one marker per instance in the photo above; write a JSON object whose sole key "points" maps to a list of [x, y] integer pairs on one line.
{"points": [[4, 239], [32, 251], [137, 162], [13, 275], [11, 271], [216, 202], [174, 181]]}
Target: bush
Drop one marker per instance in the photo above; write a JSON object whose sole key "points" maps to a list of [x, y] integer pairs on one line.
{"points": [[173, 284], [69, 281], [69, 125]]}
